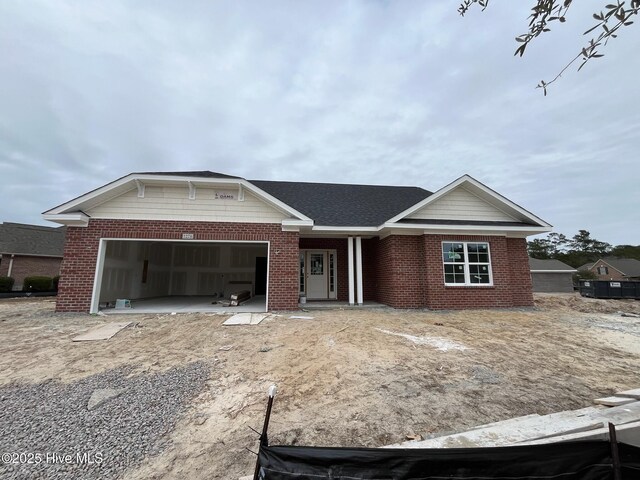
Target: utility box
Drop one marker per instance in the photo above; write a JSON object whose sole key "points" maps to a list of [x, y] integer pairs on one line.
{"points": [[609, 289]]}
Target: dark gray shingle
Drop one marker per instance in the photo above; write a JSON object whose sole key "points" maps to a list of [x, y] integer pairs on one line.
{"points": [[340, 205], [19, 238]]}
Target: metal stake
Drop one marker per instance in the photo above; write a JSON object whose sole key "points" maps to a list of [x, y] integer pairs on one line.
{"points": [[263, 436], [615, 456]]}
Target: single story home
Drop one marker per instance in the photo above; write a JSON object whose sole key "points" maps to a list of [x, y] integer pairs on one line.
{"points": [[29, 250], [158, 234], [551, 276], [612, 268]]}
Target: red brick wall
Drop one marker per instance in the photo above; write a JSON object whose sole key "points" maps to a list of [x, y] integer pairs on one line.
{"points": [[28, 266], [401, 272], [612, 275], [510, 268], [520, 283], [410, 274], [81, 251]]}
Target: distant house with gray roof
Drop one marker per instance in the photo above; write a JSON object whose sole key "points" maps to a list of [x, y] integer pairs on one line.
{"points": [[28, 250], [551, 276], [612, 268]]}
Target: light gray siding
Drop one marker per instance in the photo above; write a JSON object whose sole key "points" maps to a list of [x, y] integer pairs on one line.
{"points": [[552, 282]]}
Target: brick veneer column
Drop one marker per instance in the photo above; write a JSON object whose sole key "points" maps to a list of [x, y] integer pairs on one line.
{"points": [[81, 251], [401, 271], [520, 283]]}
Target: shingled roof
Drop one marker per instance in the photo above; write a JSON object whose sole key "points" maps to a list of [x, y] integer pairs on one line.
{"points": [[339, 205], [628, 266], [536, 264], [19, 238]]}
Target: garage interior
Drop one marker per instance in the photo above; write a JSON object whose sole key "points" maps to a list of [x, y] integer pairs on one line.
{"points": [[173, 276]]}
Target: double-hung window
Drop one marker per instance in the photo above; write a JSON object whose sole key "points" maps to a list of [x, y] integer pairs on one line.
{"points": [[466, 263]]}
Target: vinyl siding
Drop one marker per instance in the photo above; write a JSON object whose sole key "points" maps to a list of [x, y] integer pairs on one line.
{"points": [[460, 204], [172, 203]]}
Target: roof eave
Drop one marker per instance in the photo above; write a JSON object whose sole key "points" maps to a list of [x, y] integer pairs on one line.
{"points": [[76, 219]]}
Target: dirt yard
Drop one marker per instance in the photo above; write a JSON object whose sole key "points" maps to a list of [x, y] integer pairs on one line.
{"points": [[345, 378]]}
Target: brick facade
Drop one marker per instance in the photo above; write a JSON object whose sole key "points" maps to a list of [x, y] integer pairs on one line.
{"points": [[611, 273], [28, 266], [411, 274], [81, 251], [401, 271]]}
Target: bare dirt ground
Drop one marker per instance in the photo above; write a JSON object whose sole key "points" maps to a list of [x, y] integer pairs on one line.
{"points": [[345, 378]]}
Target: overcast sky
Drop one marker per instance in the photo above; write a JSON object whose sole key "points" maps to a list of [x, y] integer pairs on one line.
{"points": [[371, 92]]}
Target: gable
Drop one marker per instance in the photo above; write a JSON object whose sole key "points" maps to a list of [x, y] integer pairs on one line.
{"points": [[171, 202], [461, 204]]}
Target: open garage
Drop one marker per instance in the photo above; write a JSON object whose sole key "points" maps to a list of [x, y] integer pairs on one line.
{"points": [[167, 276]]}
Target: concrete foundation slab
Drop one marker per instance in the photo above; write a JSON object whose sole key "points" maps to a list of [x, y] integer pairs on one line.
{"points": [[104, 332]]}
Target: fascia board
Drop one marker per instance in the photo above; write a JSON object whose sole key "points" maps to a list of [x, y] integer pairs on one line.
{"points": [[71, 204], [77, 219], [322, 228], [418, 226], [78, 201]]}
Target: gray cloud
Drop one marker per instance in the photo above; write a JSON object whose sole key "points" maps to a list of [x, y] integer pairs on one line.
{"points": [[402, 93]]}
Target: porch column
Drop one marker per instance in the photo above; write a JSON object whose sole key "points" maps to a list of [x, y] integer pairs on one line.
{"points": [[351, 272], [359, 269]]}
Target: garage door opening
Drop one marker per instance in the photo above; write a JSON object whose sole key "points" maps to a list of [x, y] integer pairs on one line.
{"points": [[174, 276]]}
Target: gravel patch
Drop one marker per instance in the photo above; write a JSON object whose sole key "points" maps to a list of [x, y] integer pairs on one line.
{"points": [[49, 422]]}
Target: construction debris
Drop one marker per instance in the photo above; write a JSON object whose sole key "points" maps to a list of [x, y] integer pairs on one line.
{"points": [[237, 298], [104, 332], [585, 424], [613, 401], [246, 319]]}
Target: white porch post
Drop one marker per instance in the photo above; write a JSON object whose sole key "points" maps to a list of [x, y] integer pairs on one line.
{"points": [[359, 269], [351, 272]]}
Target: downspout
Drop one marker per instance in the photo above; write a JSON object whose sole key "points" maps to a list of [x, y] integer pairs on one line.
{"points": [[10, 265]]}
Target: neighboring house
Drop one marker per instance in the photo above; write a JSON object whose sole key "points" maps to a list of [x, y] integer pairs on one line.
{"points": [[200, 233], [614, 268], [551, 276], [28, 250]]}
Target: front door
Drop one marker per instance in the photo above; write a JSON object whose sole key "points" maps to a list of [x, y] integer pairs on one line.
{"points": [[317, 274]]}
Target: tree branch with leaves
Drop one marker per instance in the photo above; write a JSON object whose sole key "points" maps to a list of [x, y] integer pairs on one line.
{"points": [[610, 20]]}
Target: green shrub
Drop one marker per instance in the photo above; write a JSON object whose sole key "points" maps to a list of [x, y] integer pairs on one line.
{"points": [[6, 284], [56, 280], [37, 284]]}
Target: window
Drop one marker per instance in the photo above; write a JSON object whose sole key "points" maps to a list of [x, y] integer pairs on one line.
{"points": [[603, 270], [466, 263]]}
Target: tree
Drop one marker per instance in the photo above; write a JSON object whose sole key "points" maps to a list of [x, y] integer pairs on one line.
{"points": [[626, 251], [583, 243], [610, 20], [550, 247], [539, 248]]}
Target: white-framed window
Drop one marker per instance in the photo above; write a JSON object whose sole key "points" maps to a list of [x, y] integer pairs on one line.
{"points": [[466, 263]]}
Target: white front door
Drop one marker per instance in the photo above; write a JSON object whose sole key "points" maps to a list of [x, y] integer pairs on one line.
{"points": [[317, 274]]}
